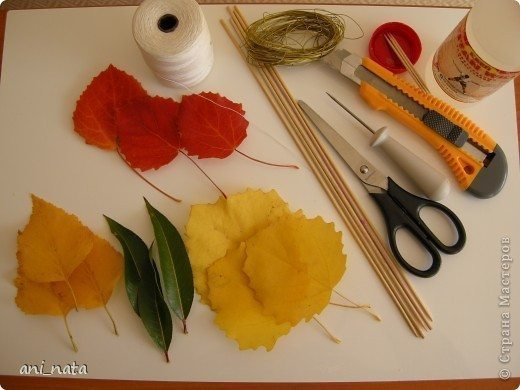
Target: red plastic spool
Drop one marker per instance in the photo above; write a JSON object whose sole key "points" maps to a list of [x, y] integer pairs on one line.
{"points": [[382, 53]]}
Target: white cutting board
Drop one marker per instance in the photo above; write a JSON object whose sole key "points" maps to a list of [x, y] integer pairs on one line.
{"points": [[49, 58]]}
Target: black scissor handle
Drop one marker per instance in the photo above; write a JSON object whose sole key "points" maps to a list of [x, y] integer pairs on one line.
{"points": [[395, 219], [413, 205]]}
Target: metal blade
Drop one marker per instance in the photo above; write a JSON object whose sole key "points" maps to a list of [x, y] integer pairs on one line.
{"points": [[351, 65], [363, 169], [344, 62]]}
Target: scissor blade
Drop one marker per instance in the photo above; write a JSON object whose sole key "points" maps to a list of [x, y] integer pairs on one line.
{"points": [[363, 169]]}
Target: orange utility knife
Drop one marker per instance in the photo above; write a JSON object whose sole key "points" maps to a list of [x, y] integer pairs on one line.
{"points": [[452, 134]]}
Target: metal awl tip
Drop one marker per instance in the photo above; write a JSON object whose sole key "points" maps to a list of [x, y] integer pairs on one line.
{"points": [[351, 113]]}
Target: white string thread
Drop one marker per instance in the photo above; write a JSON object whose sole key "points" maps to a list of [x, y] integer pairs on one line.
{"points": [[174, 39]]}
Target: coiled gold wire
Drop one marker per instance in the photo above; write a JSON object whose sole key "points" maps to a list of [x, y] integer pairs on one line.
{"points": [[293, 37]]}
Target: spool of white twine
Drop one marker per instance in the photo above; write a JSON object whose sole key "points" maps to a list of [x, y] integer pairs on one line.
{"points": [[175, 41]]}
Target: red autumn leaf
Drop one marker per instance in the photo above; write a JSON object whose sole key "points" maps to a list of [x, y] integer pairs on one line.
{"points": [[97, 107], [211, 125], [148, 135]]}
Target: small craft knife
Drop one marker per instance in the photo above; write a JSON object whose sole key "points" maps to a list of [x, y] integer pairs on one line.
{"points": [[477, 161]]}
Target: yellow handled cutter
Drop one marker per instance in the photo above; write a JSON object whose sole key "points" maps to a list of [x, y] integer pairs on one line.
{"points": [[446, 129]]}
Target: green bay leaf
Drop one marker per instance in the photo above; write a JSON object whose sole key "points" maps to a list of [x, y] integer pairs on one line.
{"points": [[177, 276], [157, 278], [143, 286], [136, 259], [154, 311]]}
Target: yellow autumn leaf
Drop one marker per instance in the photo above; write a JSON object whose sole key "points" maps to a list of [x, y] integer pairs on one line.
{"points": [[52, 244], [238, 313], [95, 278], [41, 298], [261, 267], [62, 264], [213, 229], [293, 265], [44, 298], [276, 267]]}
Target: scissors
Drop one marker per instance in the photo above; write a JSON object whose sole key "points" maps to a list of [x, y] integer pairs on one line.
{"points": [[401, 209]]}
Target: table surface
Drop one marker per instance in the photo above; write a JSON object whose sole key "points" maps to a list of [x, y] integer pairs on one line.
{"points": [[56, 383]]}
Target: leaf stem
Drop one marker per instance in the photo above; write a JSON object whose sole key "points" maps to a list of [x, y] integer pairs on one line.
{"points": [[146, 180], [332, 337], [204, 173], [72, 293], [167, 357], [267, 163], [355, 305], [111, 319], [184, 327], [74, 346]]}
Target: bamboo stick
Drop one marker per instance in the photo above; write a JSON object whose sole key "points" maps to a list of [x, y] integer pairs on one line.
{"points": [[403, 57]]}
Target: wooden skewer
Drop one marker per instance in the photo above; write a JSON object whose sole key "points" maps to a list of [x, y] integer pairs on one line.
{"points": [[406, 299], [403, 57]]}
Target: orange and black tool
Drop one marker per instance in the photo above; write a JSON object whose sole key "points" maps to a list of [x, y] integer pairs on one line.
{"points": [[454, 136]]}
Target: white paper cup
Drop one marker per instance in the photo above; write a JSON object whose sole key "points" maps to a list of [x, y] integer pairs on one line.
{"points": [[482, 53]]}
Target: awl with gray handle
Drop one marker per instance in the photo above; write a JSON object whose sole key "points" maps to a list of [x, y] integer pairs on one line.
{"points": [[429, 180]]}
